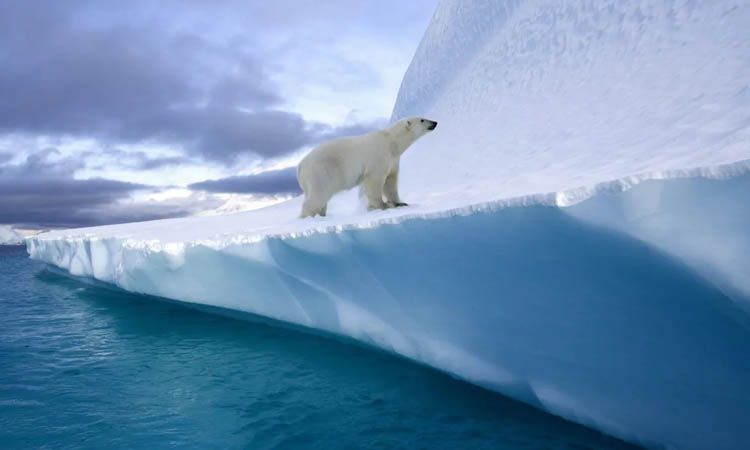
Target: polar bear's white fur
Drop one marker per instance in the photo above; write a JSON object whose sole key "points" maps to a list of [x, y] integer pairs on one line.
{"points": [[371, 160]]}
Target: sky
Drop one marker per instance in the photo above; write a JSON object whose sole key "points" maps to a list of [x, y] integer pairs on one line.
{"points": [[116, 111]]}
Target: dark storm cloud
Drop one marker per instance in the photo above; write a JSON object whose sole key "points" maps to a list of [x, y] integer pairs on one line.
{"points": [[43, 192], [130, 82], [282, 181], [60, 202], [221, 134]]}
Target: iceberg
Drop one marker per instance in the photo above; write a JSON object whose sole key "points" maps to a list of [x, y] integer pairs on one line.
{"points": [[579, 235], [9, 236]]}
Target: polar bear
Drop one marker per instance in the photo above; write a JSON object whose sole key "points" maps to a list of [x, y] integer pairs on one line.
{"points": [[370, 160]]}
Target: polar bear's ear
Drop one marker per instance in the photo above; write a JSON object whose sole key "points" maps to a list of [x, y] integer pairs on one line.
{"points": [[408, 124]]}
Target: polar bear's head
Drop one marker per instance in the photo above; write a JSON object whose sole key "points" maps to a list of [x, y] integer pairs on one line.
{"points": [[418, 126], [406, 131]]}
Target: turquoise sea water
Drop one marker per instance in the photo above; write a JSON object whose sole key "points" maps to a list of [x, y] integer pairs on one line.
{"points": [[83, 366]]}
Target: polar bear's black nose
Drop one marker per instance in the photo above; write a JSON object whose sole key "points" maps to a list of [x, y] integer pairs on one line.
{"points": [[432, 125]]}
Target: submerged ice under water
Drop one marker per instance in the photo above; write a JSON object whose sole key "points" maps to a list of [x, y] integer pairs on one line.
{"points": [[89, 367]]}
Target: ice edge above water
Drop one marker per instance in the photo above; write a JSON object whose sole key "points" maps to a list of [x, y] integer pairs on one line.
{"points": [[564, 198]]}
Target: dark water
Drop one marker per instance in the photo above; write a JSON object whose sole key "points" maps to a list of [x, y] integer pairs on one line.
{"points": [[82, 366]]}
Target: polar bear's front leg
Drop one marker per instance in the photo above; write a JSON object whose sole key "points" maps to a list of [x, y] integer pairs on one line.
{"points": [[374, 192], [390, 189]]}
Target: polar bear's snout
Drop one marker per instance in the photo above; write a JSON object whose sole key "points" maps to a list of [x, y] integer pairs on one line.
{"points": [[428, 124]]}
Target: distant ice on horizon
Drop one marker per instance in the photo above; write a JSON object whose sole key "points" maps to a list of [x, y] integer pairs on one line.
{"points": [[9, 236]]}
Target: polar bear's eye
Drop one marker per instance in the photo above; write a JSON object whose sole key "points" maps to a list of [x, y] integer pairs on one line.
{"points": [[421, 120]]}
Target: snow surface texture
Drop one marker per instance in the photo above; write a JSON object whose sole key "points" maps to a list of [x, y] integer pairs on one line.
{"points": [[578, 236], [9, 236]]}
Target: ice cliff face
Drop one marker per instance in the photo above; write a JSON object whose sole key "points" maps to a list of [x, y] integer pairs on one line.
{"points": [[578, 236]]}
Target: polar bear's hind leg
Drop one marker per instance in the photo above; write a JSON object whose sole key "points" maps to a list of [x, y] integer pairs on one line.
{"points": [[309, 209], [315, 202], [313, 206]]}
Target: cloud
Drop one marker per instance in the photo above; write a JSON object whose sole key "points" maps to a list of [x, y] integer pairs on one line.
{"points": [[43, 191], [282, 181], [353, 129], [191, 77], [223, 134], [147, 163], [132, 83], [134, 159]]}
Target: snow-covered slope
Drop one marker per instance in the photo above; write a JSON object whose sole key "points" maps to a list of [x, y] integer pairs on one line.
{"points": [[9, 236], [543, 96], [578, 236]]}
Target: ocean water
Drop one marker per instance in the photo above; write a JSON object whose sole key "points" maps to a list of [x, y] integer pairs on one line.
{"points": [[84, 366]]}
